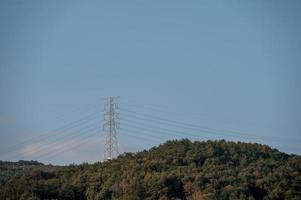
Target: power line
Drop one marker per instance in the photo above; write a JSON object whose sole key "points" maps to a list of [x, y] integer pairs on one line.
{"points": [[69, 147], [51, 134], [186, 124], [142, 136], [150, 131], [163, 109], [177, 128], [149, 119], [45, 145]]}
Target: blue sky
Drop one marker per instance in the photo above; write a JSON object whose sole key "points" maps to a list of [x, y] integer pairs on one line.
{"points": [[228, 65]]}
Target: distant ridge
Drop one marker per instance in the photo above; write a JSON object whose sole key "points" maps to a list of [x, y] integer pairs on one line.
{"points": [[21, 163]]}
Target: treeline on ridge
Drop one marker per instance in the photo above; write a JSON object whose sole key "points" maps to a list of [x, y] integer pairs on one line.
{"points": [[174, 170]]}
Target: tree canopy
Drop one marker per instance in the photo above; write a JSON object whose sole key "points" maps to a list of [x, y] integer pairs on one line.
{"points": [[174, 170]]}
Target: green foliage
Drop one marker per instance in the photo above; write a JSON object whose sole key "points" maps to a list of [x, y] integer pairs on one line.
{"points": [[173, 170]]}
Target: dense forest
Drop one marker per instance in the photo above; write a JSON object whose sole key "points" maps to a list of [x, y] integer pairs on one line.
{"points": [[174, 170]]}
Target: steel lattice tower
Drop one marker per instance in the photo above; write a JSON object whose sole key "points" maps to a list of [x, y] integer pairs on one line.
{"points": [[110, 127]]}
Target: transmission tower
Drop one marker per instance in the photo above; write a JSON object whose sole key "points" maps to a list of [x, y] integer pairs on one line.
{"points": [[110, 127]]}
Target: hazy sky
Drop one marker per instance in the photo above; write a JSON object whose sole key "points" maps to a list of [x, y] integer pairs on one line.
{"points": [[232, 66]]}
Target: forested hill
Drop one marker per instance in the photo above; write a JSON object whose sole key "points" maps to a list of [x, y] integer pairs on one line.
{"points": [[173, 170]]}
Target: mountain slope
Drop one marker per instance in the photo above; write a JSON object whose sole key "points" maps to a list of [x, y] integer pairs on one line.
{"points": [[173, 170]]}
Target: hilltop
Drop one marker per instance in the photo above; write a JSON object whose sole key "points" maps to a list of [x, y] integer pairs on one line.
{"points": [[174, 170]]}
